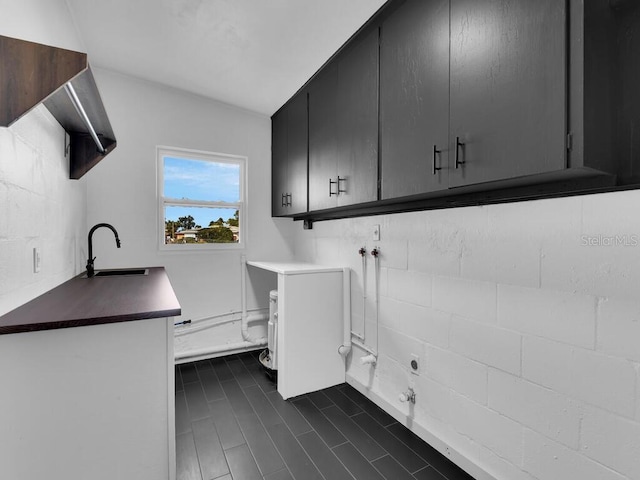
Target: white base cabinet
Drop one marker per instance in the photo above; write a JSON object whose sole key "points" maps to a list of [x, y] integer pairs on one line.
{"points": [[92, 402], [310, 326]]}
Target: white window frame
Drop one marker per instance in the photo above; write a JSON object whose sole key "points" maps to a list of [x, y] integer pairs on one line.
{"points": [[241, 205]]}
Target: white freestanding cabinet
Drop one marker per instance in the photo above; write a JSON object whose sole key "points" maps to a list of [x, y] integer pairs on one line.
{"points": [[310, 326]]}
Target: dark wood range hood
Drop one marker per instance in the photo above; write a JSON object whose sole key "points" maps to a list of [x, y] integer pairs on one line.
{"points": [[31, 73]]}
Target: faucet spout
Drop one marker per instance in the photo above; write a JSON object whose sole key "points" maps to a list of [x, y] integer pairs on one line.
{"points": [[90, 269]]}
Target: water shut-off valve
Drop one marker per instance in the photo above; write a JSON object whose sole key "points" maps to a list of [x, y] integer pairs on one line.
{"points": [[408, 396]]}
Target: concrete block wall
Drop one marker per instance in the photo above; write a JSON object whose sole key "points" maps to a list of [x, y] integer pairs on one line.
{"points": [[40, 207], [526, 320]]}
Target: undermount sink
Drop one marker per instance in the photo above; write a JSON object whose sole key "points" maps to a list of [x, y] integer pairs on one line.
{"points": [[122, 272]]}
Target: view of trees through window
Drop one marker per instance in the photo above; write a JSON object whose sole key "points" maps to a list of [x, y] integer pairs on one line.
{"points": [[186, 230]]}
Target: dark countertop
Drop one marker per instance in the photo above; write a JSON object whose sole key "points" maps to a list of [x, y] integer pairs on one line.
{"points": [[92, 301]]}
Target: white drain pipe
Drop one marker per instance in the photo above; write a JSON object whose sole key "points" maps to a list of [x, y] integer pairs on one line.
{"points": [[345, 348], [221, 319], [363, 253], [209, 352], [359, 340], [248, 342], [372, 357], [246, 318]]}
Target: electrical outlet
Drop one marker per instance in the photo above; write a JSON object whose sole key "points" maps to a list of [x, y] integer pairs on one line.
{"points": [[36, 260], [415, 364], [376, 233]]}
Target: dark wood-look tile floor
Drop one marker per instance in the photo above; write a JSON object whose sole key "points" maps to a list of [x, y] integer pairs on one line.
{"points": [[232, 424]]}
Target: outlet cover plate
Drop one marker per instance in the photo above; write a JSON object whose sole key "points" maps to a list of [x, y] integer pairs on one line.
{"points": [[376, 233], [36, 260], [415, 362]]}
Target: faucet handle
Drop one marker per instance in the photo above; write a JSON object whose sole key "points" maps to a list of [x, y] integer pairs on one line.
{"points": [[89, 267]]}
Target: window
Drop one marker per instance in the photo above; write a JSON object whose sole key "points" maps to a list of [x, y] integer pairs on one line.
{"points": [[201, 197]]}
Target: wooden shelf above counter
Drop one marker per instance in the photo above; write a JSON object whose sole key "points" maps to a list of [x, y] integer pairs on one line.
{"points": [[31, 73]]}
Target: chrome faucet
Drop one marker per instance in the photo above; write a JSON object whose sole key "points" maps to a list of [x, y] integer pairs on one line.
{"points": [[90, 269]]}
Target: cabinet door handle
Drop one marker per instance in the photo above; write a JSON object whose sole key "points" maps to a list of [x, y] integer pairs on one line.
{"points": [[339, 189], [331, 183], [458, 145], [289, 200], [284, 200], [435, 159]]}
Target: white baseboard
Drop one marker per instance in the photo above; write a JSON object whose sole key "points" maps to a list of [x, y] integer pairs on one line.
{"points": [[436, 442]]}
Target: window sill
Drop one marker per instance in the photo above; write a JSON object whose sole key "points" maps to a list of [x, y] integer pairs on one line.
{"points": [[188, 248]]}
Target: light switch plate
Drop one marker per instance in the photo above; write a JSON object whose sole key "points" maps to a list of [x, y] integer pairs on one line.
{"points": [[376, 233]]}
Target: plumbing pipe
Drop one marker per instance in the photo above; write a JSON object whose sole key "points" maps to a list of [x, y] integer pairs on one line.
{"points": [[364, 347], [345, 348], [359, 341], [368, 359], [376, 253], [208, 351], [199, 325], [408, 396], [363, 253], [245, 317]]}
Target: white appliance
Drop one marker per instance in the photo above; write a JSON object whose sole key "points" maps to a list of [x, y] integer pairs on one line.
{"points": [[272, 329]]}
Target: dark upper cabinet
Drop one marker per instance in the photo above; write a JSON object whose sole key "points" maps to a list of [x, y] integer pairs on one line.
{"points": [[480, 101], [604, 104], [289, 158], [414, 99], [343, 127], [471, 91], [279, 163], [357, 120], [323, 139], [297, 144], [508, 89]]}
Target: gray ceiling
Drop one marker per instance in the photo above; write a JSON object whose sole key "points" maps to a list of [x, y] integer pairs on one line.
{"points": [[250, 53]]}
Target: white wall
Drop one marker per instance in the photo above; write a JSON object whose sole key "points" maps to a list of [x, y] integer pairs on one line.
{"points": [[40, 208], [39, 205], [529, 339], [122, 191], [41, 21]]}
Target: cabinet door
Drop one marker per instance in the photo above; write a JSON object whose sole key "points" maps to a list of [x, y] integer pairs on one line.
{"points": [[297, 154], [323, 139], [414, 98], [279, 163], [508, 89], [357, 120]]}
